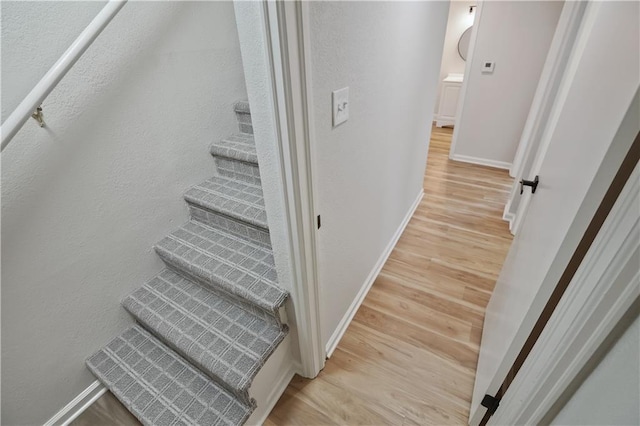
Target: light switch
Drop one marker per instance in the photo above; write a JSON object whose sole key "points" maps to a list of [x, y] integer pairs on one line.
{"points": [[487, 67], [340, 106]]}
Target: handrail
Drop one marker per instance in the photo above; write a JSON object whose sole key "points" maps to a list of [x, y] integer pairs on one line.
{"points": [[32, 101]]}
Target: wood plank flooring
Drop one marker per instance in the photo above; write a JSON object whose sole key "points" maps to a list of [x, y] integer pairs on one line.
{"points": [[410, 354], [107, 410]]}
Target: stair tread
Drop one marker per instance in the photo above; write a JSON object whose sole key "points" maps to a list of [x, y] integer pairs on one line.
{"points": [[161, 388], [233, 198], [237, 147], [223, 340], [240, 267]]}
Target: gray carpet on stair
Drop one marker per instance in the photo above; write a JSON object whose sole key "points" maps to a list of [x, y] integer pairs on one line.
{"points": [[238, 147], [239, 200], [209, 323], [223, 340], [239, 170], [220, 259], [242, 106], [159, 387]]}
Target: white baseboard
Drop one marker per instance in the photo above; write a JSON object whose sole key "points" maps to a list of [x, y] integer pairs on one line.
{"points": [[366, 286], [78, 405], [481, 161], [509, 217]]}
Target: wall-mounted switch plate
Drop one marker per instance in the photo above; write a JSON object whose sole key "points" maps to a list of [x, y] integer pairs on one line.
{"points": [[340, 106], [487, 67]]}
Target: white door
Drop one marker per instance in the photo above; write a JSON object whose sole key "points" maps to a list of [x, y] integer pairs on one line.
{"points": [[575, 164]]}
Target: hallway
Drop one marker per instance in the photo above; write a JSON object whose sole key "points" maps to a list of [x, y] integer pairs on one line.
{"points": [[409, 355]]}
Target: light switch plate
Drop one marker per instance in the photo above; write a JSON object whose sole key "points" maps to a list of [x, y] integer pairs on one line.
{"points": [[487, 67], [340, 106]]}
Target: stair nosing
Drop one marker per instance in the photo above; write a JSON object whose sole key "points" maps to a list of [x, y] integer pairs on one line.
{"points": [[191, 199], [225, 285], [257, 359], [242, 107], [233, 153]]}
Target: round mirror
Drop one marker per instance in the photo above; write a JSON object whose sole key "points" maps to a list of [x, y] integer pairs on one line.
{"points": [[463, 43]]}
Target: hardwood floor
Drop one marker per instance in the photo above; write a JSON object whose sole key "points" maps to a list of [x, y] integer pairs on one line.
{"points": [[410, 354]]}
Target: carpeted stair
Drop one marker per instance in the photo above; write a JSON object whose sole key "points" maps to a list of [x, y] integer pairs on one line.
{"points": [[207, 323]]}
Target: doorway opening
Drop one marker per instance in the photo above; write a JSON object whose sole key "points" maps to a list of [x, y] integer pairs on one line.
{"points": [[493, 64], [517, 110]]}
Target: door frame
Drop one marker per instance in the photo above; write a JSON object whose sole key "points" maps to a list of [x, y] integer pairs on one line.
{"points": [[550, 79], [465, 81], [541, 107], [274, 40], [286, 24]]}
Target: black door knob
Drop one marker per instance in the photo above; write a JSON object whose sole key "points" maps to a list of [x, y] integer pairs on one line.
{"points": [[532, 183]]}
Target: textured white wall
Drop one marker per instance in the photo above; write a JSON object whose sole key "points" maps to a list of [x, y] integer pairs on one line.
{"points": [[459, 20], [611, 393], [369, 169], [84, 199], [515, 35]]}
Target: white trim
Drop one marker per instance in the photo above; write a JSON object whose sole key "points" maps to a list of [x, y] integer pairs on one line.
{"points": [[508, 216], [554, 66], [437, 122], [80, 403], [366, 286], [480, 161], [602, 290], [542, 104], [278, 389], [556, 108], [445, 122], [465, 82], [286, 26]]}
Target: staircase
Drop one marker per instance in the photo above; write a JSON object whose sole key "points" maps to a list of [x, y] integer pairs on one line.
{"points": [[208, 322]]}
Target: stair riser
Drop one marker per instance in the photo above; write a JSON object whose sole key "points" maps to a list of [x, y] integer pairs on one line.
{"points": [[242, 229], [239, 170], [244, 122], [243, 395]]}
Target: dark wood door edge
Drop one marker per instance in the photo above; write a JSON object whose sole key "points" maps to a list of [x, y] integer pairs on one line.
{"points": [[609, 199]]}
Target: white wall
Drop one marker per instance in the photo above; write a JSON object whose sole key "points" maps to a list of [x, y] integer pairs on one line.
{"points": [[611, 393], [459, 20], [84, 199], [515, 35], [370, 169]]}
